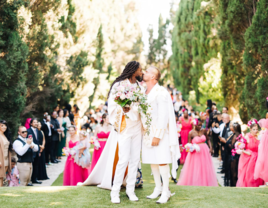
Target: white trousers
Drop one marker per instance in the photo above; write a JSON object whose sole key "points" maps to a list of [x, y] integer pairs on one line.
{"points": [[129, 155]]}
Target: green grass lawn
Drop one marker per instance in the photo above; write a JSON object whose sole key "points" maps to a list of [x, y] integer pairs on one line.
{"points": [[91, 196]]}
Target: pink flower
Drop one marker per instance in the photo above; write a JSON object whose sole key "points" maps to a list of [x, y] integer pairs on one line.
{"points": [[118, 94]]}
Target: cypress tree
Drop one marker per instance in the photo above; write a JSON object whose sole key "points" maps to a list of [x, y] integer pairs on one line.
{"points": [[13, 65], [97, 64]]}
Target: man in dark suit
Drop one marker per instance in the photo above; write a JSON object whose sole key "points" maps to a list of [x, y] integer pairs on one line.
{"points": [[37, 139], [55, 127], [46, 128]]}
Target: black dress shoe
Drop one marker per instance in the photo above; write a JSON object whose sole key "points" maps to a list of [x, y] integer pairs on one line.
{"points": [[220, 168], [55, 161], [29, 184], [221, 172], [175, 180], [38, 182], [58, 160]]}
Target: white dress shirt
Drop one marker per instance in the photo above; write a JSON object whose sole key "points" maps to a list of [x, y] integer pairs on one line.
{"points": [[49, 128], [219, 129], [21, 149]]}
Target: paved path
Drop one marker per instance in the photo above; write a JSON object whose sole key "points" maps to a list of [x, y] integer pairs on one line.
{"points": [[216, 164], [53, 172]]}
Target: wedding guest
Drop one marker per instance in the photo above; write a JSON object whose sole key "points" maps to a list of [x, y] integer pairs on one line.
{"points": [[68, 107], [77, 117], [24, 148], [5, 151], [217, 122], [13, 176], [56, 130], [37, 138], [73, 173], [62, 136], [56, 108], [42, 172], [198, 169], [68, 123], [248, 158], [46, 128], [93, 122], [102, 133], [27, 123], [187, 126], [225, 110]]}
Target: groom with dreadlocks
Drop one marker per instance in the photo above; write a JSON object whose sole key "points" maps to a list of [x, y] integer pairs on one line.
{"points": [[127, 123]]}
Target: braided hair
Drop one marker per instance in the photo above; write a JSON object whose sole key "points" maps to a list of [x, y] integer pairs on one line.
{"points": [[127, 73]]}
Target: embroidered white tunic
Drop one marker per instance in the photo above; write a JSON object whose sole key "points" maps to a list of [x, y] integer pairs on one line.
{"points": [[163, 127]]}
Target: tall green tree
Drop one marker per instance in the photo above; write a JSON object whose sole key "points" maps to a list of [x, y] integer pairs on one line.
{"points": [[98, 63], [256, 63], [13, 64]]}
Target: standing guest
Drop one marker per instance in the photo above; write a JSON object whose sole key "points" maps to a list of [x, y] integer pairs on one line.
{"points": [[5, 151], [56, 130], [209, 104], [93, 122], [24, 148], [62, 136], [225, 133], [231, 164], [216, 132], [68, 107], [187, 126], [177, 105], [37, 139], [261, 169], [13, 176], [77, 117], [46, 128], [248, 158], [56, 108], [27, 123], [225, 110], [73, 173], [42, 172], [102, 132], [68, 123], [198, 169]]}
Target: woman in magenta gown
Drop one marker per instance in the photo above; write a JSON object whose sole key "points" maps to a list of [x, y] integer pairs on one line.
{"points": [[187, 126], [261, 168], [73, 173], [248, 159], [198, 169], [102, 133]]}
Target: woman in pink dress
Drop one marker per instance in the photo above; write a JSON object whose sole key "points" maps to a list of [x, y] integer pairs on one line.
{"points": [[102, 133], [261, 169], [73, 173], [198, 169], [248, 158], [187, 126]]}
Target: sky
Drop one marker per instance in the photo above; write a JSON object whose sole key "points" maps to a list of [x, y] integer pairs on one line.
{"points": [[149, 11]]}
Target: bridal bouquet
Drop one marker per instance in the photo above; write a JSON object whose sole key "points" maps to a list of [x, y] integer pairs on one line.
{"points": [[239, 145], [67, 151], [125, 95]]}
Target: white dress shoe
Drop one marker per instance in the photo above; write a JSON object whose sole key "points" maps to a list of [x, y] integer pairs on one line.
{"points": [[115, 198], [157, 192], [132, 197], [165, 196]]}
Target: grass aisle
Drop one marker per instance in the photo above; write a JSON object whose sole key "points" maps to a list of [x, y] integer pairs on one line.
{"points": [[60, 196]]}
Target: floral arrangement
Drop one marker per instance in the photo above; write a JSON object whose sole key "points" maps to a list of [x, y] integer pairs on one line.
{"points": [[125, 95], [67, 151], [179, 127], [83, 133], [189, 147], [239, 145], [251, 122]]}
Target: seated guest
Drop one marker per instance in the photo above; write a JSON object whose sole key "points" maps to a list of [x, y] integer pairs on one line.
{"points": [[24, 147], [13, 176]]}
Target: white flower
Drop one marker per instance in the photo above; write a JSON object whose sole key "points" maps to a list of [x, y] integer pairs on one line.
{"points": [[123, 96]]}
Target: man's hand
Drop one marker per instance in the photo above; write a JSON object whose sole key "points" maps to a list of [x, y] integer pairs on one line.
{"points": [[29, 141], [155, 141], [59, 130], [217, 125], [222, 139], [213, 125], [126, 109]]}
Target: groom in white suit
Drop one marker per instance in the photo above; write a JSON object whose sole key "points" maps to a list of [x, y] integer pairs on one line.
{"points": [[161, 147]]}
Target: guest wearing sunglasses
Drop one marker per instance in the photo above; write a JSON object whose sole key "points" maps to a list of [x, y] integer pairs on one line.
{"points": [[24, 147]]}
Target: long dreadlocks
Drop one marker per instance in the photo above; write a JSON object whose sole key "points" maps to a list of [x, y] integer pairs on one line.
{"points": [[127, 73]]}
